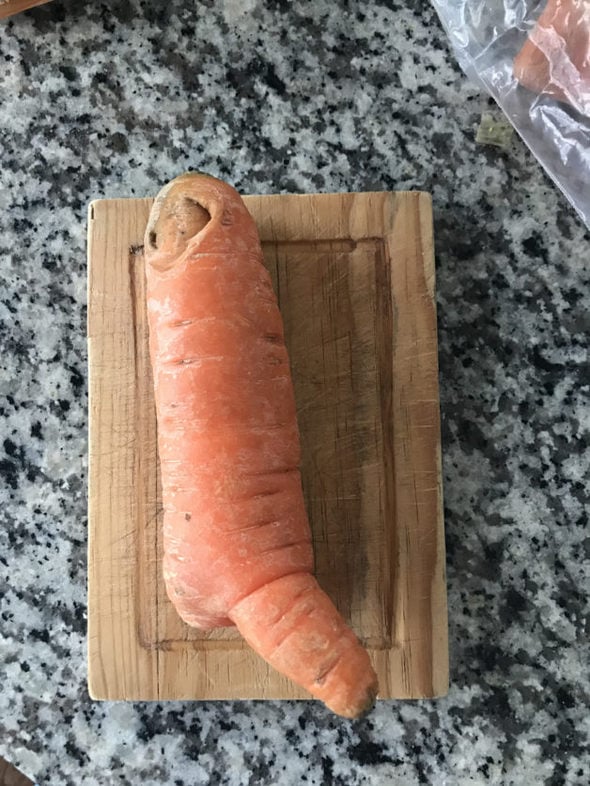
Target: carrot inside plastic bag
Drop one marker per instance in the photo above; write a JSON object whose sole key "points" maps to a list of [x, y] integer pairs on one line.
{"points": [[534, 60], [556, 56]]}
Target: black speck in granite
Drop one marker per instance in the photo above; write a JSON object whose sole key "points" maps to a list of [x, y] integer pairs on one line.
{"points": [[114, 99], [367, 752]]}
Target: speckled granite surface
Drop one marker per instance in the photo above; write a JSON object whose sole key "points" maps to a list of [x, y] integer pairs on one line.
{"points": [[113, 99]]}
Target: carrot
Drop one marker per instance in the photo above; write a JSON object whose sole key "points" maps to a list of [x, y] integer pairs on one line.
{"points": [[556, 57], [237, 540]]}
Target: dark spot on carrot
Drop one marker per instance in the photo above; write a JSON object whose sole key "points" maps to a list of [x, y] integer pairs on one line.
{"points": [[152, 238], [269, 493], [273, 338], [187, 516]]}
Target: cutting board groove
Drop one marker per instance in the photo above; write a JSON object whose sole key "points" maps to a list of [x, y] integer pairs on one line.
{"points": [[354, 275]]}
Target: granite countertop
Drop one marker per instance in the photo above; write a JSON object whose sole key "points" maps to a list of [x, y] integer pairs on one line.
{"points": [[113, 99]]}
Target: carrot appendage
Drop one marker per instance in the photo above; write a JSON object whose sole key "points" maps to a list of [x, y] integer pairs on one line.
{"points": [[237, 542], [297, 628]]}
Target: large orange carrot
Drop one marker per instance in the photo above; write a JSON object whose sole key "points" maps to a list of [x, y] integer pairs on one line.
{"points": [[556, 57], [236, 536]]}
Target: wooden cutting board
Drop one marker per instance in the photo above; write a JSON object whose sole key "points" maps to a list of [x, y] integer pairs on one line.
{"points": [[354, 274], [10, 7], [10, 776]]}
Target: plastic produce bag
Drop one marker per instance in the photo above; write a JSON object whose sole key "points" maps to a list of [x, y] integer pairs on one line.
{"points": [[534, 59]]}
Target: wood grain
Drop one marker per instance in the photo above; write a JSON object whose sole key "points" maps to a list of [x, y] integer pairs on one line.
{"points": [[10, 776], [10, 7], [354, 274]]}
